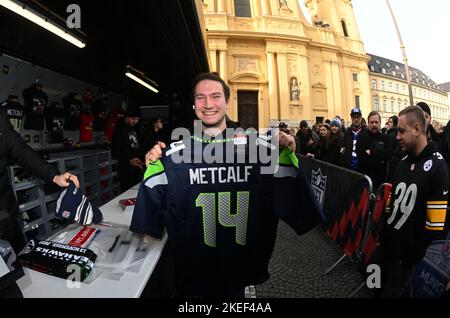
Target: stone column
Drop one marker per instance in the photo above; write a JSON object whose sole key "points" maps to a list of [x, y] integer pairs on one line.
{"points": [[223, 64], [220, 6], [305, 86], [273, 94], [211, 6], [264, 8], [213, 56], [254, 8], [283, 86]]}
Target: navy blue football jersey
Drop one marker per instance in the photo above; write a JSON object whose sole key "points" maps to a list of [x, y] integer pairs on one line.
{"points": [[14, 112], [222, 218]]}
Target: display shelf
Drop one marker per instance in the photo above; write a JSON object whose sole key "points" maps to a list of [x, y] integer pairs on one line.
{"points": [[96, 172], [29, 205], [33, 224], [24, 185]]}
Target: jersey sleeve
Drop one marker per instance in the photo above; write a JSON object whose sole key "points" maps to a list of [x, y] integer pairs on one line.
{"points": [[148, 215], [437, 202], [294, 202]]}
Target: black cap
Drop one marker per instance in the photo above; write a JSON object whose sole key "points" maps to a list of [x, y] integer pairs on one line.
{"points": [[424, 107], [355, 111], [282, 125], [133, 111]]}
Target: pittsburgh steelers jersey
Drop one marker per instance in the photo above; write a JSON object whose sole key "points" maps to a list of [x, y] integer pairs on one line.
{"points": [[221, 218], [418, 208]]}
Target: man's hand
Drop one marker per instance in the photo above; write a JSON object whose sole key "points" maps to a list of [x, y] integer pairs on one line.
{"points": [[310, 142], [62, 180], [136, 162], [286, 141], [155, 153]]}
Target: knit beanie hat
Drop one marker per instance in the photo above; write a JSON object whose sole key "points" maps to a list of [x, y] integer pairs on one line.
{"points": [[74, 206], [336, 122]]}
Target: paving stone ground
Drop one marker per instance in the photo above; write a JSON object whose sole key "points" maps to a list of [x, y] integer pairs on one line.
{"points": [[298, 264]]}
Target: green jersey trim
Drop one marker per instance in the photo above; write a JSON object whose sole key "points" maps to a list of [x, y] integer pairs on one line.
{"points": [[288, 157], [154, 168]]}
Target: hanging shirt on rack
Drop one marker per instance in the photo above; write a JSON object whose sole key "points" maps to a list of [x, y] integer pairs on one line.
{"points": [[87, 127], [14, 112], [54, 117], [72, 110], [35, 103]]}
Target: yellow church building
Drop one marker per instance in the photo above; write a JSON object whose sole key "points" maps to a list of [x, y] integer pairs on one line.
{"points": [[284, 65]]}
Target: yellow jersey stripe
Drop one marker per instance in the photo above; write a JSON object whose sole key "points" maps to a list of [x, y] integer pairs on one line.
{"points": [[437, 202], [431, 228], [436, 215]]}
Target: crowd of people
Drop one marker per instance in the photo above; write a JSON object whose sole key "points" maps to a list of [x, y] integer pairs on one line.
{"points": [[364, 146], [409, 154]]}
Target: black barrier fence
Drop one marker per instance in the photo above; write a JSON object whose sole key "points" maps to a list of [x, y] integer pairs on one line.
{"points": [[375, 223], [354, 217], [344, 196]]}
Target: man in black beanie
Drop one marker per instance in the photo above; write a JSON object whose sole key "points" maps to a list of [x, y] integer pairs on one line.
{"points": [[431, 133], [125, 148]]}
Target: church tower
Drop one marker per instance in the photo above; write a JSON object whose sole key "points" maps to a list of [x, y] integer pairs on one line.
{"points": [[281, 67], [338, 17]]}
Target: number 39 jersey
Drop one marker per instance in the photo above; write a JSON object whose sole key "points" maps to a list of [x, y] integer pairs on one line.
{"points": [[418, 208], [221, 218]]}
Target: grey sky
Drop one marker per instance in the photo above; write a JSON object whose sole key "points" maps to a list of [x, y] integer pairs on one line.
{"points": [[424, 29]]}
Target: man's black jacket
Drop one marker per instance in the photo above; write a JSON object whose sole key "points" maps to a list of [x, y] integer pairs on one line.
{"points": [[374, 164], [13, 150]]}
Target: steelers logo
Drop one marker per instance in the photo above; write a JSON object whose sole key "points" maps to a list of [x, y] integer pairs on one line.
{"points": [[427, 165]]}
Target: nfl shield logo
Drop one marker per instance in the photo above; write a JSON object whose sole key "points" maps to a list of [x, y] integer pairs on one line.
{"points": [[318, 185]]}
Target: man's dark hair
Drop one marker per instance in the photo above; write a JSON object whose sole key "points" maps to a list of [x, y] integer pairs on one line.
{"points": [[374, 113], [155, 119], [424, 106], [212, 77], [303, 124], [414, 114]]}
